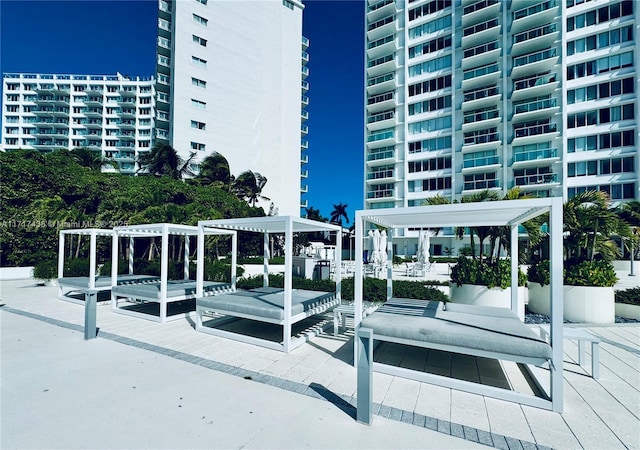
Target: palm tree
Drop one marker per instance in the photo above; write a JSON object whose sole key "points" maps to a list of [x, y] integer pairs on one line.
{"points": [[312, 213], [214, 171], [248, 185], [90, 159], [339, 211], [163, 160]]}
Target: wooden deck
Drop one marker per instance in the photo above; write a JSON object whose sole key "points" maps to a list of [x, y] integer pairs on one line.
{"points": [[602, 413]]}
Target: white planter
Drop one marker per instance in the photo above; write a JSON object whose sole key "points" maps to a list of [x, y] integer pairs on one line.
{"points": [[628, 311], [51, 282], [583, 304], [16, 273], [472, 294]]}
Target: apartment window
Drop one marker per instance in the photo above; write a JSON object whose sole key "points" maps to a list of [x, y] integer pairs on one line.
{"points": [[430, 145], [13, 87], [164, 24], [13, 97], [602, 90], [431, 184], [426, 126], [165, 61], [143, 144], [12, 108], [198, 104], [199, 83], [477, 94], [197, 146], [431, 66], [162, 96], [601, 116], [163, 78], [199, 19], [434, 84], [145, 101], [430, 46], [433, 104], [430, 27], [144, 111], [480, 181], [481, 136], [199, 40], [602, 40], [480, 27], [602, 167], [601, 15], [198, 125], [11, 141], [379, 172], [198, 61], [430, 164], [533, 175], [12, 119], [429, 8], [477, 159], [144, 122]]}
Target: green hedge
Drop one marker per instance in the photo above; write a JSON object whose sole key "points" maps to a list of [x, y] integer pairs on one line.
{"points": [[375, 290], [628, 296], [485, 273]]}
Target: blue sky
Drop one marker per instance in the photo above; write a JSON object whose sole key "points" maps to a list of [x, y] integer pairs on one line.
{"points": [[104, 37]]}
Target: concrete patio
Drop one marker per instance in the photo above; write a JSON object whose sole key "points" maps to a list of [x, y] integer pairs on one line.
{"points": [[131, 372]]}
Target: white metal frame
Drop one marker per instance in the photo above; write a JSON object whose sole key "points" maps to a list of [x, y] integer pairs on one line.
{"points": [[502, 213], [286, 225], [164, 230]]}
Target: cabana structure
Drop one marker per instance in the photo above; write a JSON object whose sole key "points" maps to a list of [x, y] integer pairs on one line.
{"points": [[283, 307], [72, 288], [152, 301], [495, 333]]}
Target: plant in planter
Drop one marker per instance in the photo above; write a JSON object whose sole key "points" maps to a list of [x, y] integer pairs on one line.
{"points": [[45, 271], [589, 275]]}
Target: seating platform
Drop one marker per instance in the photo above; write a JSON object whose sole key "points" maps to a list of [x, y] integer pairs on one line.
{"points": [[577, 334]]}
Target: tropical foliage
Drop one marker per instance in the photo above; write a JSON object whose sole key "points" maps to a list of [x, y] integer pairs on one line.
{"points": [[163, 160], [339, 212], [41, 193]]}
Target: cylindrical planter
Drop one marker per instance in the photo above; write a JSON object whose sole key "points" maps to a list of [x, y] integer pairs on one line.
{"points": [[628, 311], [583, 304], [472, 294]]}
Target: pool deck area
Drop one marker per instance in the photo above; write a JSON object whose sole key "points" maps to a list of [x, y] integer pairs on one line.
{"points": [[142, 384]]}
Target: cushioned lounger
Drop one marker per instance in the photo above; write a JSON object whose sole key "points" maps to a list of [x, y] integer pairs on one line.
{"points": [[267, 303], [104, 281], [472, 329], [177, 288]]}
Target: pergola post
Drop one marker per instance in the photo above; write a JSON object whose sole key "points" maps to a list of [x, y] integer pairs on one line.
{"points": [[186, 256], [115, 240], [338, 261], [200, 262], [131, 247], [357, 282], [164, 271], [514, 273], [389, 265], [288, 282], [234, 259], [61, 255], [265, 253], [92, 260], [557, 310]]}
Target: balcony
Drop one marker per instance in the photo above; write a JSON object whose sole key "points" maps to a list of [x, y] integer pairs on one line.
{"points": [[305, 72], [383, 119], [480, 12], [304, 144], [305, 57], [382, 46], [381, 83], [530, 133], [93, 101], [304, 203], [164, 46], [304, 100], [536, 179], [480, 185], [304, 115], [480, 98], [535, 39], [380, 9], [534, 157], [128, 92], [382, 138], [530, 16], [382, 65], [534, 62], [93, 112], [304, 189], [305, 86], [381, 174], [305, 43], [540, 108], [480, 140], [480, 33], [93, 123], [484, 163], [304, 174], [128, 113], [381, 28], [482, 118], [534, 86], [381, 102], [127, 124], [480, 76], [304, 159], [481, 55], [304, 130], [380, 194], [383, 155]]}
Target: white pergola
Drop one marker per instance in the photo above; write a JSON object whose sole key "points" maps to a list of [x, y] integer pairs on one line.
{"points": [[510, 213], [269, 225], [93, 233]]}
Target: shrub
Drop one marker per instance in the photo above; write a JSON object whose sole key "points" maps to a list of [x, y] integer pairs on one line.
{"points": [[375, 290], [485, 273], [539, 272], [46, 269], [76, 267], [590, 273], [628, 296]]}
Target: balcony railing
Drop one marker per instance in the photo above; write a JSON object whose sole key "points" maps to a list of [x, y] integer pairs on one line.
{"points": [[385, 134], [481, 184], [381, 41], [533, 155], [387, 173], [380, 79], [382, 60], [477, 116], [477, 6], [534, 33], [535, 105], [479, 162], [383, 193], [534, 80], [380, 4], [480, 49], [530, 10], [534, 57], [480, 27], [380, 23], [543, 178], [478, 94], [534, 130], [388, 152], [386, 115], [480, 71]]}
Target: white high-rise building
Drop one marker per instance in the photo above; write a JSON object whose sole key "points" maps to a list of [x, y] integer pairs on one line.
{"points": [[231, 79], [110, 114], [465, 95]]}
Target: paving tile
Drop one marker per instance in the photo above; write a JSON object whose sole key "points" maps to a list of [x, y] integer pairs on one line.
{"points": [[484, 437], [507, 418], [402, 393], [499, 441], [431, 423], [457, 430], [469, 409], [419, 420], [514, 444], [444, 426], [434, 401]]}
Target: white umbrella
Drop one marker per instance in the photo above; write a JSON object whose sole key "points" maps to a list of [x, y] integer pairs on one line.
{"points": [[369, 246], [383, 247], [375, 254], [424, 242]]}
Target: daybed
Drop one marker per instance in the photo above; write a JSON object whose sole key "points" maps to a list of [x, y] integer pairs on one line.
{"points": [[283, 307], [164, 299], [494, 333], [72, 289]]}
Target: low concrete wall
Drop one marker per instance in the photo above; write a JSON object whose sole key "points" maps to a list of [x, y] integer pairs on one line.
{"points": [[628, 311], [626, 265], [16, 273]]}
